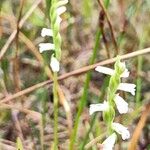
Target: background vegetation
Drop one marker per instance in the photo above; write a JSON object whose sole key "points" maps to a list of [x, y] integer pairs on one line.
{"points": [[91, 33]]}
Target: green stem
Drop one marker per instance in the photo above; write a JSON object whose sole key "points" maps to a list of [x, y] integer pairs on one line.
{"points": [[41, 134], [139, 69], [83, 99], [55, 111], [101, 97], [87, 134], [84, 95], [139, 81]]}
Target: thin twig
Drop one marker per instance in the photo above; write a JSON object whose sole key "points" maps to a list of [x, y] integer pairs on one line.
{"points": [[16, 76], [110, 25], [34, 114], [101, 26], [94, 141], [15, 61], [139, 127], [75, 72]]}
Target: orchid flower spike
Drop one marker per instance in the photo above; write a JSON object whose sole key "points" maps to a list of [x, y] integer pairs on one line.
{"points": [[128, 87], [109, 143], [120, 129], [111, 72], [98, 107], [54, 64], [59, 9], [121, 104]]}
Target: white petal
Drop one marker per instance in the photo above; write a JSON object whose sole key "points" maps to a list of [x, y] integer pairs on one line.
{"points": [[61, 10], [109, 143], [98, 107], [58, 20], [105, 70], [121, 104], [109, 71], [125, 74], [46, 32], [62, 2], [120, 129], [128, 87], [46, 46], [54, 64], [122, 65]]}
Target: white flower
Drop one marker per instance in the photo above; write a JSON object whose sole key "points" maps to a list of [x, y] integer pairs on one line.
{"points": [[104, 70], [109, 143], [98, 107], [62, 2], [54, 64], [61, 9], [122, 65], [121, 104], [46, 46], [128, 87], [120, 129], [46, 32], [58, 20], [126, 73], [111, 72]]}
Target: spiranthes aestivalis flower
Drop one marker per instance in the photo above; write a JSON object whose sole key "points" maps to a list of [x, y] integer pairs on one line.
{"points": [[111, 72], [98, 107], [120, 129], [46, 32], [109, 143], [60, 11], [46, 46], [54, 63], [128, 87], [121, 104]]}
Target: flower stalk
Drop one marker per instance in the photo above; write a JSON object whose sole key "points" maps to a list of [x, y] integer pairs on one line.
{"points": [[57, 8], [55, 111]]}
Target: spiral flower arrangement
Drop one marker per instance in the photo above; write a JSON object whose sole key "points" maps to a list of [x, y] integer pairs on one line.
{"points": [[114, 101], [57, 8]]}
